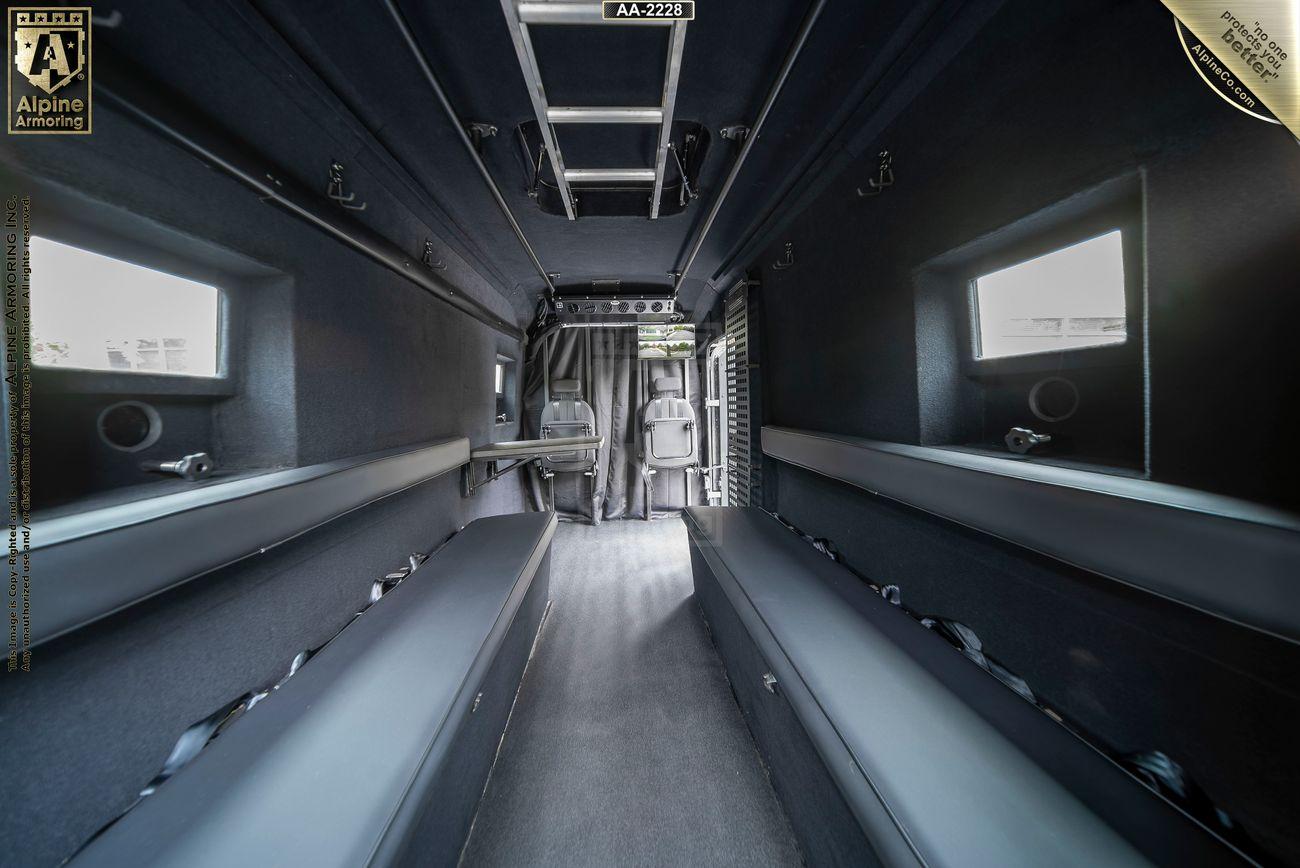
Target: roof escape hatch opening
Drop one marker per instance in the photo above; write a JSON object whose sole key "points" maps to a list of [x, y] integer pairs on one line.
{"points": [[547, 152]]}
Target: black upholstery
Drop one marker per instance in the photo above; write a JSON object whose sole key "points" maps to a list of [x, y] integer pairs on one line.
{"points": [[376, 752], [937, 762]]}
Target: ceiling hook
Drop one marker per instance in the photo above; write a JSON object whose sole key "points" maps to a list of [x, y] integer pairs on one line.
{"points": [[884, 179], [427, 258], [336, 187]]}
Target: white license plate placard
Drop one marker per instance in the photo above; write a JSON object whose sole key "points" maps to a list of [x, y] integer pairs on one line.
{"points": [[621, 10]]}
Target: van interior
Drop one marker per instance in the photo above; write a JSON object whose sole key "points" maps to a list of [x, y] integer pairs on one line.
{"points": [[759, 433]]}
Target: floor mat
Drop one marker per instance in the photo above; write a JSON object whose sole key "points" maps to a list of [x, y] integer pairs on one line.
{"points": [[625, 745]]}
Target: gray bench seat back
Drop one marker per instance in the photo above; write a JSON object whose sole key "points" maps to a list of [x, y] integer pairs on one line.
{"points": [[333, 768]]}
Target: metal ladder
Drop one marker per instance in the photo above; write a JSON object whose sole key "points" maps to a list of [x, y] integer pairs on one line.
{"points": [[520, 15]]}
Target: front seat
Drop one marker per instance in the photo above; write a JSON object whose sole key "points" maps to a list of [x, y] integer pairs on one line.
{"points": [[567, 415], [669, 440]]}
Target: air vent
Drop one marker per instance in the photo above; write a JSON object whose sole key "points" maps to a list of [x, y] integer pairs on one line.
{"points": [[625, 310]]}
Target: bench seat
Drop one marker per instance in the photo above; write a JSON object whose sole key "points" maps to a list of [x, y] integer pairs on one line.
{"points": [[377, 750], [887, 745]]}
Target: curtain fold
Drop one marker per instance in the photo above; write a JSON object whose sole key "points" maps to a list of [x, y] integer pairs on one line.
{"points": [[618, 386]]}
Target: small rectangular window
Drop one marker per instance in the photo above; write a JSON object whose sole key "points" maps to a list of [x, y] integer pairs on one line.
{"points": [[505, 390], [101, 314], [1069, 299]]}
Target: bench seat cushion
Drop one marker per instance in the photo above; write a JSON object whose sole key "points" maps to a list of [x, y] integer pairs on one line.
{"points": [[939, 763], [336, 767]]}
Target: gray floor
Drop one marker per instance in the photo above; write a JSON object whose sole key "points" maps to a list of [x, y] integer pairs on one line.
{"points": [[625, 745]]}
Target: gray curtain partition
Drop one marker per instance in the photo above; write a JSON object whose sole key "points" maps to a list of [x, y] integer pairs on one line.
{"points": [[617, 386]]}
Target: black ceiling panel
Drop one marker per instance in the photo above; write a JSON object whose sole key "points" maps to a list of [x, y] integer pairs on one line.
{"points": [[306, 82]]}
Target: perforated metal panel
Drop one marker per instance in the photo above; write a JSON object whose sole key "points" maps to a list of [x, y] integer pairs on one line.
{"points": [[742, 471]]}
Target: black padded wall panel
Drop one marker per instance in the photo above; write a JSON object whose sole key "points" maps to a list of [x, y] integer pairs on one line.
{"points": [[73, 460], [988, 143], [377, 362]]}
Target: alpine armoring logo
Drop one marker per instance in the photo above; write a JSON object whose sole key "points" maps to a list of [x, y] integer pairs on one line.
{"points": [[49, 76]]}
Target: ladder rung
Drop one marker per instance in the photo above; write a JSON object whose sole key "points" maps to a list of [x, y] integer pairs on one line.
{"points": [[604, 115], [564, 12], [580, 176]]}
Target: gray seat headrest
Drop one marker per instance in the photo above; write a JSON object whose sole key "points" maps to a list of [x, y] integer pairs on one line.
{"points": [[563, 387], [667, 384]]}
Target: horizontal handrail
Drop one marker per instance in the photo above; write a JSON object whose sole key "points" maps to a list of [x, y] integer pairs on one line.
{"points": [[536, 448]]}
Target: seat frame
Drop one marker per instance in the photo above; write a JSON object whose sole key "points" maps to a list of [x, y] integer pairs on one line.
{"points": [[557, 428], [648, 453]]}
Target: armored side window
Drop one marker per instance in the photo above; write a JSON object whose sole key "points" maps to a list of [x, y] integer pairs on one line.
{"points": [[505, 390], [95, 313], [1069, 299]]}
